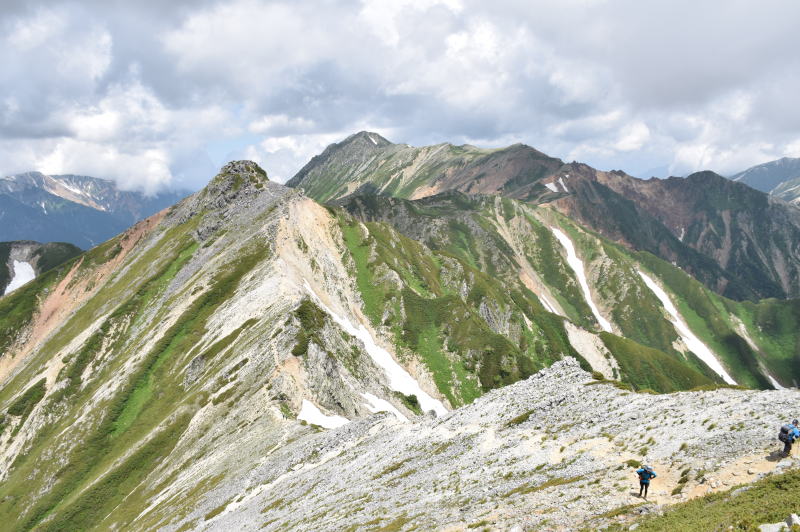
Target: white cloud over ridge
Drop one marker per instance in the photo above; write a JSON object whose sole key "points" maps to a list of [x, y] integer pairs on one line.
{"points": [[156, 95]]}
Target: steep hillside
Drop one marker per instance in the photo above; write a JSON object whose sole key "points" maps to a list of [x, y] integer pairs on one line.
{"points": [[22, 261], [752, 238], [237, 308], [82, 210], [182, 374], [780, 178], [515, 243], [730, 237]]}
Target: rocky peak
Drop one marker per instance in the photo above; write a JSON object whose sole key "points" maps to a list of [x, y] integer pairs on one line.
{"points": [[236, 179], [366, 139]]}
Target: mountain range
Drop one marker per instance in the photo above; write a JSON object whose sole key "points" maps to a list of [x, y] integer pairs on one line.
{"points": [[403, 338], [84, 211], [737, 241], [780, 178]]}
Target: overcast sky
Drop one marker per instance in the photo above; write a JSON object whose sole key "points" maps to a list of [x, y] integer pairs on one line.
{"points": [[159, 93]]}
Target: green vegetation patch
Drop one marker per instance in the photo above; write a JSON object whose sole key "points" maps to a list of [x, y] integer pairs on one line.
{"points": [[312, 319], [769, 500], [647, 368], [549, 483], [104, 496]]}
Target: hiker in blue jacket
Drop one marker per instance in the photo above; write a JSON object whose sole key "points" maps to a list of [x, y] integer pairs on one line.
{"points": [[788, 435], [646, 473]]}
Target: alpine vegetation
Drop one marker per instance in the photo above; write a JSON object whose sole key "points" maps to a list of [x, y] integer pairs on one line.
{"points": [[418, 352]]}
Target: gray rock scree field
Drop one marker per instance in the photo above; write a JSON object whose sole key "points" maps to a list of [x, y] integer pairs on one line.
{"points": [[551, 452]]}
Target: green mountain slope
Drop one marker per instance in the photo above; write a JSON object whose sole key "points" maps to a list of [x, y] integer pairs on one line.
{"points": [[513, 241], [147, 376], [730, 237]]}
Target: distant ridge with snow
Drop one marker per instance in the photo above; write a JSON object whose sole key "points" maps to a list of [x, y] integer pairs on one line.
{"points": [[82, 210]]}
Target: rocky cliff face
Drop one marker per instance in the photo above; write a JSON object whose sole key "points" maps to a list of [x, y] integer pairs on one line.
{"points": [[751, 238]]}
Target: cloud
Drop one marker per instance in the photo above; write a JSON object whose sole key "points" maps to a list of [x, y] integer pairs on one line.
{"points": [[150, 93]]}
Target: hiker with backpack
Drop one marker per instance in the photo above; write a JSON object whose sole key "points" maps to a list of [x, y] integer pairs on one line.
{"points": [[788, 435], [646, 474]]}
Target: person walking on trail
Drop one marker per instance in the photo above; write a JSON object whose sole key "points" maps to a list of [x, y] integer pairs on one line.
{"points": [[788, 435], [646, 474]]}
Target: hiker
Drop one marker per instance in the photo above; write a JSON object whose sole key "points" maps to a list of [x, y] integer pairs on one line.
{"points": [[788, 435], [645, 474]]}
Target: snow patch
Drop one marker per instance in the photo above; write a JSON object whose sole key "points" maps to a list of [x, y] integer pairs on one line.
{"points": [[694, 344], [372, 139], [577, 266], [311, 414], [376, 404], [683, 233], [775, 384], [23, 273], [561, 181], [551, 186], [399, 379], [547, 305]]}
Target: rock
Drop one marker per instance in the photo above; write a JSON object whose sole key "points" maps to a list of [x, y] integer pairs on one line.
{"points": [[792, 520], [751, 471], [633, 526], [774, 527]]}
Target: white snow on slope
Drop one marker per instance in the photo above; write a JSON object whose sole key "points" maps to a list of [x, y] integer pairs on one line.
{"points": [[372, 139], [561, 181], [376, 404], [551, 186], [23, 273], [547, 305], [775, 384], [577, 266], [311, 414], [399, 379], [694, 343]]}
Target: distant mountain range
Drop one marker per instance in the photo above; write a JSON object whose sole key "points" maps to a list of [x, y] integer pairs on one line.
{"points": [[727, 235], [82, 210], [779, 178]]}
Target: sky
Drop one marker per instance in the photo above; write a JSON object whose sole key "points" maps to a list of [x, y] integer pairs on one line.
{"points": [[158, 94]]}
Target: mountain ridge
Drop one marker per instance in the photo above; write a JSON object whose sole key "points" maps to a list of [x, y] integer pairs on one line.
{"points": [[205, 365], [779, 178], [613, 203], [81, 210]]}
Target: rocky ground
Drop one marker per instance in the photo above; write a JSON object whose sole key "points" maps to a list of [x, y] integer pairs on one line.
{"points": [[556, 451]]}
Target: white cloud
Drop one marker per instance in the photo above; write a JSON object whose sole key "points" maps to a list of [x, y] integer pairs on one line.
{"points": [[623, 84]]}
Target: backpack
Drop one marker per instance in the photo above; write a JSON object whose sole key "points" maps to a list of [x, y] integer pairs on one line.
{"points": [[783, 435]]}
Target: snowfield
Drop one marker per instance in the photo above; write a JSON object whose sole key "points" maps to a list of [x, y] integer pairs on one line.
{"points": [[311, 414], [577, 266], [399, 379], [23, 273], [694, 343]]}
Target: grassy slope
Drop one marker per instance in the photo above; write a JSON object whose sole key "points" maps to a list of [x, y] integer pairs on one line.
{"points": [[466, 227], [135, 414], [428, 316], [770, 500]]}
